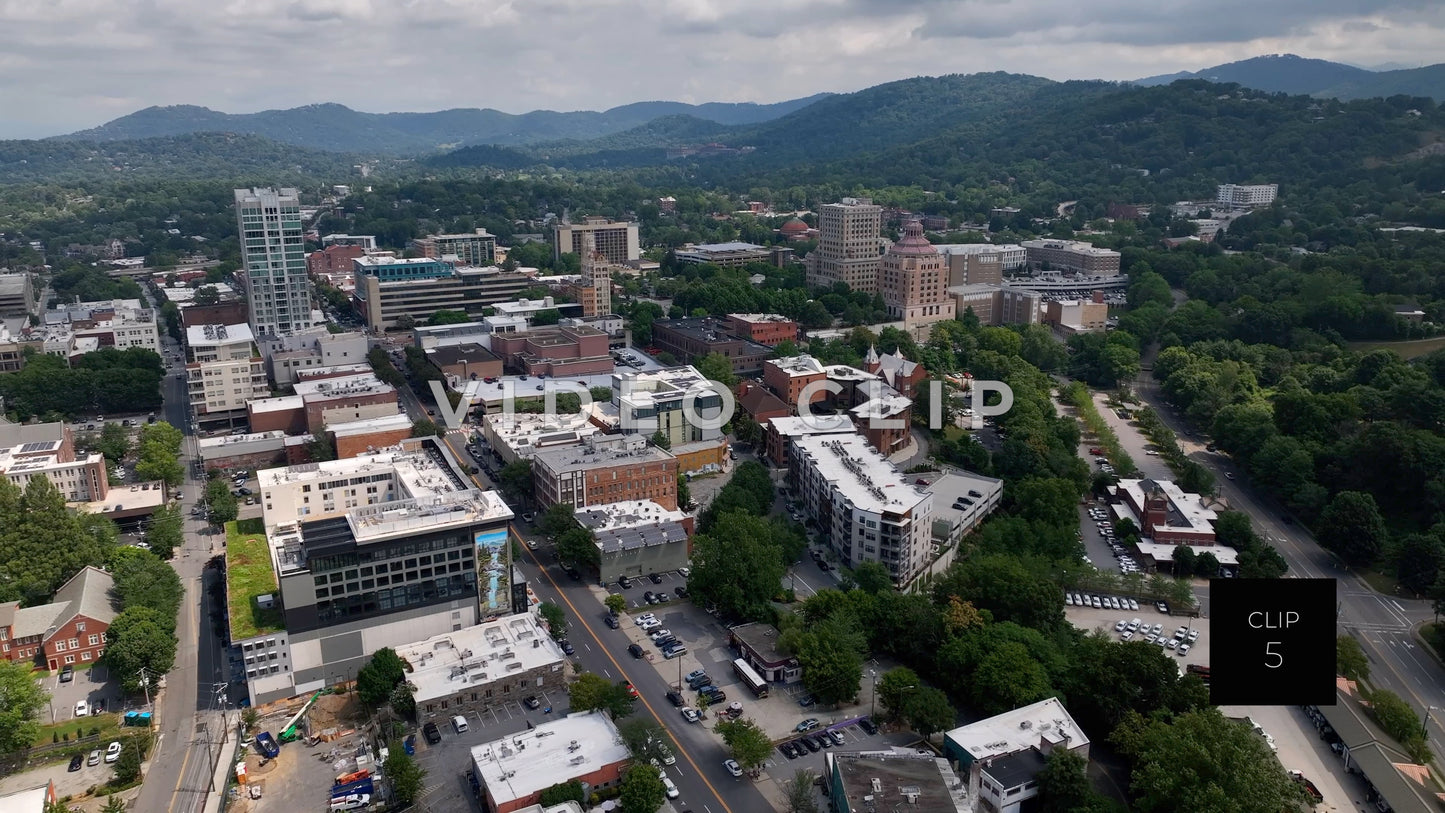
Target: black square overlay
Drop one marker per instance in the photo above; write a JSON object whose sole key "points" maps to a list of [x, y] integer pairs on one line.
{"points": [[1272, 642]]}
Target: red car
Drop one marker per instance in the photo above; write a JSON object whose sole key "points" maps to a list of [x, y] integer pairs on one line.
{"points": [[1096, 451], [631, 690]]}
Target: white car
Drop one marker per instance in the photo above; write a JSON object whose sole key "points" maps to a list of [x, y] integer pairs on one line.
{"points": [[1068, 599], [112, 752], [690, 714], [672, 791], [1157, 629], [82, 708], [1120, 626], [658, 633], [733, 767], [1193, 636], [650, 625], [1182, 649], [644, 618], [1097, 604], [1133, 605], [1128, 634]]}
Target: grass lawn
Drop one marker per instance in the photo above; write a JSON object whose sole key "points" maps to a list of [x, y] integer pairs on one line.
{"points": [[1410, 349], [249, 574], [109, 725], [1382, 583]]}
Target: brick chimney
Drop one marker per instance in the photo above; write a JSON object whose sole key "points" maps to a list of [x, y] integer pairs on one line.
{"points": [[1098, 297]]}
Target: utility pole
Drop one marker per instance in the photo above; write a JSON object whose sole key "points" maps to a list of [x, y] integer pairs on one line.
{"points": [[146, 685]]}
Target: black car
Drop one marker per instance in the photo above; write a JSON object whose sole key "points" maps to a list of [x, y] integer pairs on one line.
{"points": [[665, 641], [532, 702], [611, 621], [809, 744], [649, 597], [67, 674], [655, 577], [681, 591], [824, 740], [636, 650], [715, 696], [675, 698], [699, 682], [574, 573], [787, 749], [75, 762], [867, 725], [567, 646], [432, 733], [624, 581], [806, 700]]}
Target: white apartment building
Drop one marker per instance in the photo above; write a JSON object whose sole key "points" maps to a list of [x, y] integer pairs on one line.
{"points": [[288, 356], [225, 370], [871, 511], [478, 249], [118, 323], [849, 245], [654, 402], [1244, 196], [274, 256]]}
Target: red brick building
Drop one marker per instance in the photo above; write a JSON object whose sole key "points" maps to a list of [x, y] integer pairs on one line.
{"points": [[770, 329], [759, 403], [556, 351], [333, 260], [787, 377], [605, 471], [513, 772], [896, 371], [69, 631]]}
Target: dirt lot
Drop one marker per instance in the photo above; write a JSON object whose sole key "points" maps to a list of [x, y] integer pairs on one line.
{"points": [[300, 779]]}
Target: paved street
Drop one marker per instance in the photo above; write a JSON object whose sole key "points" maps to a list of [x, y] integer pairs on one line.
{"points": [[1382, 624], [179, 778]]}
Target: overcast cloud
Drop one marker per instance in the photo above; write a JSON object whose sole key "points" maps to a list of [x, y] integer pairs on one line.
{"points": [[70, 64]]}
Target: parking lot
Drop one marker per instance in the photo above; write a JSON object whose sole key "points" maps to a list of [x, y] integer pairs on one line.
{"points": [[447, 762], [635, 595], [1089, 619], [90, 685]]}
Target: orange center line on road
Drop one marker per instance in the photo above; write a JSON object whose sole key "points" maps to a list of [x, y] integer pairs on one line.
{"points": [[603, 649]]}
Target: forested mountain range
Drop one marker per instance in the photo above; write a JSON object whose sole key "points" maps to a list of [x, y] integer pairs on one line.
{"points": [[337, 127], [1287, 73]]}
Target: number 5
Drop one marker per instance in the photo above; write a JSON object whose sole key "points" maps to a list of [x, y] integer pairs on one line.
{"points": [[1269, 652]]}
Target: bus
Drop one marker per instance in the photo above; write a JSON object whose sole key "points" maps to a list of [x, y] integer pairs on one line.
{"points": [[749, 677]]}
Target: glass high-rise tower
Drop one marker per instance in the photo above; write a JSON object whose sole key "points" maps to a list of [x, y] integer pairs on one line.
{"points": [[274, 255]]}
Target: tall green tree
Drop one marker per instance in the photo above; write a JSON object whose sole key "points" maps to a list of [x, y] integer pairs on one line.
{"points": [[405, 776], [894, 688], [165, 533], [1200, 761], [20, 713], [737, 566], [717, 367], [929, 712], [376, 680], [747, 743], [1353, 528], [555, 618], [1350, 659], [592, 691], [642, 790]]}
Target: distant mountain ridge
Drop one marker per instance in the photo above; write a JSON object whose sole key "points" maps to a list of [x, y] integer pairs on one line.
{"points": [[338, 128], [1288, 73]]}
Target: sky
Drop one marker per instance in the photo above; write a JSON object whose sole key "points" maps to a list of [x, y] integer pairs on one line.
{"points": [[70, 64]]}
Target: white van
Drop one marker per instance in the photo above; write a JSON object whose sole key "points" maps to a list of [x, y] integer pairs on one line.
{"points": [[672, 791], [460, 724]]}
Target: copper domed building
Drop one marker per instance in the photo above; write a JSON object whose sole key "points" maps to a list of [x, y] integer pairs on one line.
{"points": [[913, 279]]}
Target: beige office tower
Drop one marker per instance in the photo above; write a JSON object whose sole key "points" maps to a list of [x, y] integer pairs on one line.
{"points": [[596, 289], [848, 245]]}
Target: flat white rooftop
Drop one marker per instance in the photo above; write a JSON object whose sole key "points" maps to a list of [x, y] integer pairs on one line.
{"points": [[366, 426], [1224, 554], [977, 248], [342, 386], [1018, 730], [211, 335], [216, 443], [524, 433], [758, 318], [860, 473], [279, 404], [524, 763], [627, 514], [843, 372], [798, 365], [1073, 246], [415, 473], [881, 406], [797, 426], [446, 664], [371, 523]]}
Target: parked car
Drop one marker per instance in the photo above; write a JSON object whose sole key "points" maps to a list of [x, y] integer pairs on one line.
{"points": [[624, 581], [656, 578], [733, 767], [611, 620], [94, 758], [82, 708], [532, 702], [868, 726], [67, 674], [635, 650], [112, 752], [675, 698], [807, 725], [690, 714], [810, 743], [75, 762], [567, 647], [645, 617], [432, 733], [695, 674]]}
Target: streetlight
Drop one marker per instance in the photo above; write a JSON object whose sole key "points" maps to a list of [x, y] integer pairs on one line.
{"points": [[1424, 718]]}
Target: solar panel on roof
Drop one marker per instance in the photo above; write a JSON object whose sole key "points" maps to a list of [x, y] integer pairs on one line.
{"points": [[37, 446]]}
